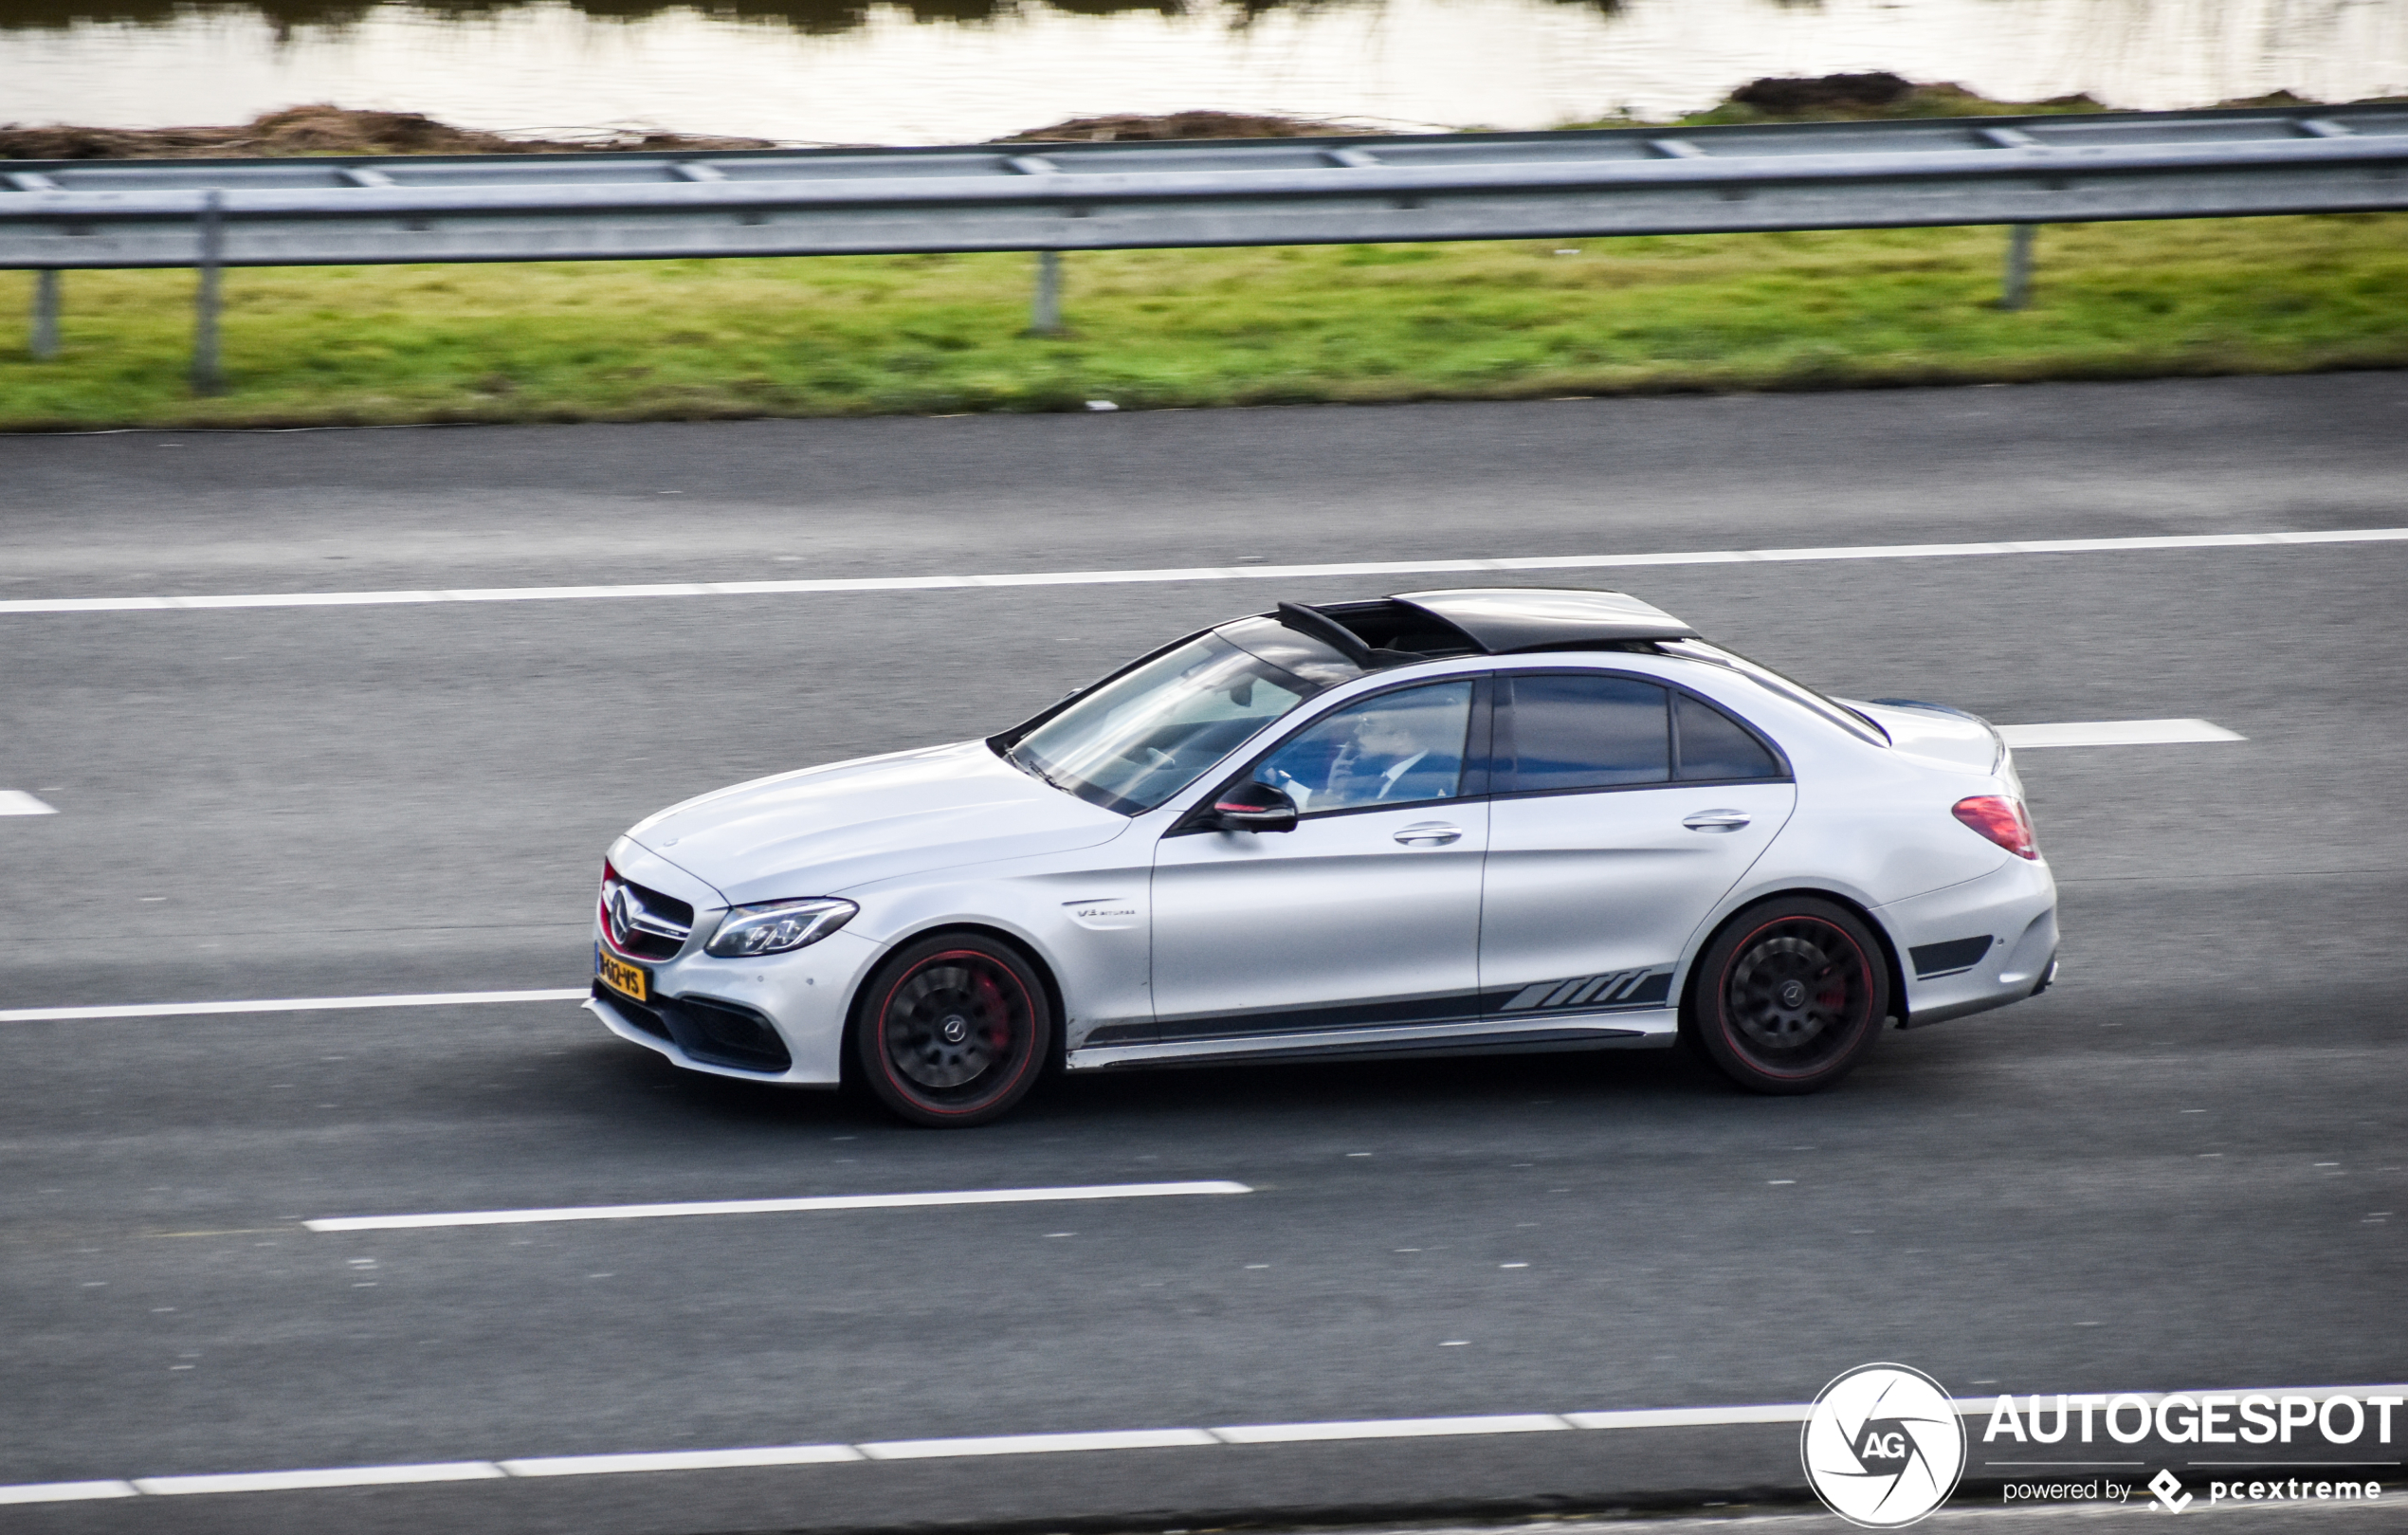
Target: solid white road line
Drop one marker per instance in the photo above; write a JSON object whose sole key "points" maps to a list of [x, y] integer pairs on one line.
{"points": [[682, 1460], [1196, 572], [1014, 1444], [1036, 1444], [1390, 1428], [283, 1004], [17, 802], [449, 1471], [1687, 1417], [66, 1491], [767, 1207], [2116, 733]]}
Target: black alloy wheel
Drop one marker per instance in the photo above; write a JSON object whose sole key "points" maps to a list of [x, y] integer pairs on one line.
{"points": [[953, 1030], [1790, 995]]}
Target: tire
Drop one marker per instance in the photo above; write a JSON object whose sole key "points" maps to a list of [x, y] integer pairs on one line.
{"points": [[1790, 995], [954, 1030]]}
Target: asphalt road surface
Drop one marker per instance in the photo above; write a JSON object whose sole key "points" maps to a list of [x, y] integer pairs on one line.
{"points": [[2182, 1168]]}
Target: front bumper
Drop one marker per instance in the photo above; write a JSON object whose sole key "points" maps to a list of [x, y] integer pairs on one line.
{"points": [[777, 1018]]}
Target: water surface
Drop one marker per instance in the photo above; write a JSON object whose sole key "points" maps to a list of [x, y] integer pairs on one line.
{"points": [[960, 71]]}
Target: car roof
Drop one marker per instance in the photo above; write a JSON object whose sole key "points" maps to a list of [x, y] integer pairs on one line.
{"points": [[1504, 619], [1424, 626]]}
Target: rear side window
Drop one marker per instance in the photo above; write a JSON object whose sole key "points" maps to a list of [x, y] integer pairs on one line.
{"points": [[1714, 745], [1582, 733]]}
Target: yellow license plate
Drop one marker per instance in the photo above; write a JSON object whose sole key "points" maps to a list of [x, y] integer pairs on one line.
{"points": [[629, 980]]}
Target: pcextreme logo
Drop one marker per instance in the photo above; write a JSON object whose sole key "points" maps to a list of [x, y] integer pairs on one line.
{"points": [[2165, 1485], [1882, 1445]]}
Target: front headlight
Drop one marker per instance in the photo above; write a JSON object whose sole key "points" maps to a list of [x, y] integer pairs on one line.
{"points": [[775, 927]]}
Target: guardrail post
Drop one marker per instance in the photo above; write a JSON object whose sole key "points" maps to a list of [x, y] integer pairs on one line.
{"points": [[207, 377], [44, 344], [2016, 291], [1045, 312]]}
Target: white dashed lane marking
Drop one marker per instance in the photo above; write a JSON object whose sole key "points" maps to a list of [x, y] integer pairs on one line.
{"points": [[1194, 573], [17, 802], [770, 1207], [2116, 733]]}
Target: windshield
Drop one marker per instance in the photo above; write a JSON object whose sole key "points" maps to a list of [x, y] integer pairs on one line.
{"points": [[1766, 678], [1144, 735]]}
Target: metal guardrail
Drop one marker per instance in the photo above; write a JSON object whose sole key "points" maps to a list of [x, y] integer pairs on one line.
{"points": [[1051, 198], [1256, 191]]}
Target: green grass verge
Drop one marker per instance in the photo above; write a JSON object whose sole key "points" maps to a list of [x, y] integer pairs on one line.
{"points": [[850, 336]]}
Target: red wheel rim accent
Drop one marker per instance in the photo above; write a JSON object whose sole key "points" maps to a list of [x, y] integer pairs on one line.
{"points": [[1795, 995], [956, 1032]]}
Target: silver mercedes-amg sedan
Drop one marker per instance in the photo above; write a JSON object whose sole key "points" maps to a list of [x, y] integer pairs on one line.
{"points": [[1444, 821]]}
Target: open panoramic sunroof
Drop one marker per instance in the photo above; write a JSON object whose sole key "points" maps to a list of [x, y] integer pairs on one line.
{"points": [[1417, 626]]}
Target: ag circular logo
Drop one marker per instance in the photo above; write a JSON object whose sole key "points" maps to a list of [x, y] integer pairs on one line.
{"points": [[1882, 1445]]}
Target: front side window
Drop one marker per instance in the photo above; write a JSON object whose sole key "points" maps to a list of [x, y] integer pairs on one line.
{"points": [[1582, 732], [1144, 735], [1394, 749]]}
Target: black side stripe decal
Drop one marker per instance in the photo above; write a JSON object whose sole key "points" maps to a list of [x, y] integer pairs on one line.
{"points": [[1647, 987]]}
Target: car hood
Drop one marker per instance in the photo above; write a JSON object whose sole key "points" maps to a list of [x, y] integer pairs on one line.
{"points": [[825, 830], [1937, 733]]}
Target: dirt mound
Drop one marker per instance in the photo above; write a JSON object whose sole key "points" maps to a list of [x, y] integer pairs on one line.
{"points": [[1135, 126], [1878, 95], [1826, 93], [319, 129]]}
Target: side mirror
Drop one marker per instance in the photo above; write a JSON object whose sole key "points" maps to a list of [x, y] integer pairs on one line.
{"points": [[1253, 807]]}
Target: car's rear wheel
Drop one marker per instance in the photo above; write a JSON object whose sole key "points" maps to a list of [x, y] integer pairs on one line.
{"points": [[1791, 996], [953, 1030]]}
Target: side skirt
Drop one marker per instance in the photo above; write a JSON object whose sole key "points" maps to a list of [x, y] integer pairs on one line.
{"points": [[1626, 1029]]}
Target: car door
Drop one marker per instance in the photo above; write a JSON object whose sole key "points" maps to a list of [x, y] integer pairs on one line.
{"points": [[1366, 914], [1623, 811]]}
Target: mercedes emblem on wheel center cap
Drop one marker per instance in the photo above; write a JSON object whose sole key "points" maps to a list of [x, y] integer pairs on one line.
{"points": [[1793, 994], [953, 1028]]}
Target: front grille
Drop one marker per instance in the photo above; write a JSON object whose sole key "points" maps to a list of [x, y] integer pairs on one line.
{"points": [[707, 1029], [643, 922]]}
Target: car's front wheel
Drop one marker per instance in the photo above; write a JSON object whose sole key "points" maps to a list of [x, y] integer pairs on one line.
{"points": [[1790, 996], [953, 1031]]}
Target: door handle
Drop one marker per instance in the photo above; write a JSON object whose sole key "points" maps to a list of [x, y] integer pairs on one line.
{"points": [[1429, 834], [1716, 820]]}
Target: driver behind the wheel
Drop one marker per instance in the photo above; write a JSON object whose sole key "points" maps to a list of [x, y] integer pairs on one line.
{"points": [[1391, 750]]}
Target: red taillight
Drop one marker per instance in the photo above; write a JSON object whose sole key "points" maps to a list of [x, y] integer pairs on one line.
{"points": [[2003, 821]]}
